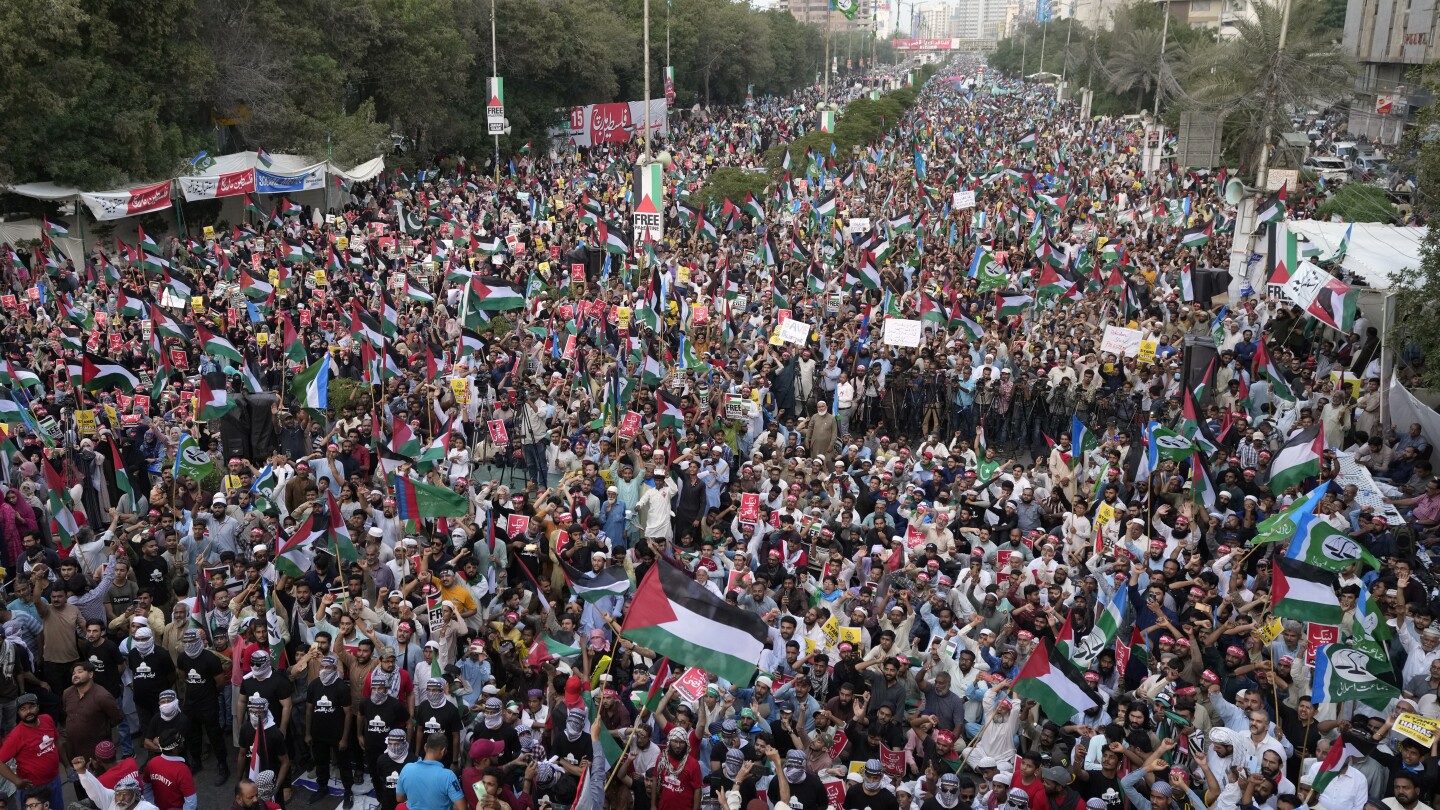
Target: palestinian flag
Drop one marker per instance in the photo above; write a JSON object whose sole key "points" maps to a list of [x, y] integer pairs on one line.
{"points": [[217, 346], [294, 347], [415, 500], [825, 207], [19, 377], [958, 318], [1056, 684], [494, 294], [614, 239], [434, 452], [753, 208], [546, 648], [12, 412], [101, 372], [295, 556], [415, 291], [129, 305], [1196, 237], [1267, 369], [1011, 302], [344, 546], [145, 242], [166, 326], [1272, 210], [122, 478], [593, 586], [1334, 305], [1202, 484], [1298, 460], [63, 522], [402, 439], [692, 627], [902, 224], [214, 403], [181, 284], [364, 327], [254, 288], [932, 310], [1028, 140], [1304, 592], [705, 228], [1050, 284], [671, 414]]}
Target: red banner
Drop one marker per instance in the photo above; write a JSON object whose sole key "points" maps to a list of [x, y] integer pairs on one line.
{"points": [[892, 762], [1318, 635], [498, 435]]}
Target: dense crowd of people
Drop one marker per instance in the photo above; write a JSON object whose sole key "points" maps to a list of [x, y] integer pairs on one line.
{"points": [[318, 508]]}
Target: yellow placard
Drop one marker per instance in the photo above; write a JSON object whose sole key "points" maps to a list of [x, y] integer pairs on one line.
{"points": [[1420, 729], [1147, 351], [319, 277], [622, 316], [262, 338], [85, 421], [775, 338], [1270, 631], [831, 629], [461, 389], [209, 232], [543, 267], [197, 303], [274, 278], [600, 669], [850, 634], [682, 275], [342, 242], [1104, 514], [112, 415], [809, 646]]}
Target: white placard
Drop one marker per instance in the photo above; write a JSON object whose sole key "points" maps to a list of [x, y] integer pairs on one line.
{"points": [[794, 330], [903, 332], [1305, 283], [859, 225], [964, 199], [1367, 493], [1275, 178], [1121, 341]]}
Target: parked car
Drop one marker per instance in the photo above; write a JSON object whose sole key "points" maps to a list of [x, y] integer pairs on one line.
{"points": [[1333, 169]]}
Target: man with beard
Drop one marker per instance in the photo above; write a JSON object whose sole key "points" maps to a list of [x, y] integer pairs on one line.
{"points": [[1103, 784], [1058, 794], [393, 755], [380, 716], [275, 687], [127, 794], [804, 785], [677, 775], [152, 670], [329, 720], [247, 796], [202, 670], [105, 657], [436, 714], [870, 794], [947, 794], [32, 744], [90, 712], [261, 740]]}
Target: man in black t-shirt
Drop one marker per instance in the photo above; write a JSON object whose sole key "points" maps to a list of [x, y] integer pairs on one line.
{"points": [[272, 755], [328, 719], [804, 785], [275, 687], [378, 715], [871, 793], [104, 656], [394, 755], [491, 725], [1103, 784], [200, 671], [152, 671], [436, 714]]}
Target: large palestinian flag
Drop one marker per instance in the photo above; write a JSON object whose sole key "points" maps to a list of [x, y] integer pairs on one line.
{"points": [[594, 585], [1298, 460], [1055, 683], [693, 627]]}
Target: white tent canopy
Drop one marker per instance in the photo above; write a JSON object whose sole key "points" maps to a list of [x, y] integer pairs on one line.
{"points": [[225, 164], [1377, 253]]}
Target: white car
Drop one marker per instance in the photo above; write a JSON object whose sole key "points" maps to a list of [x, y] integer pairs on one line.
{"points": [[1333, 169]]}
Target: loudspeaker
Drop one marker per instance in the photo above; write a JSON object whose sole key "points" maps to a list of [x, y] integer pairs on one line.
{"points": [[262, 426], [1200, 356], [235, 431]]}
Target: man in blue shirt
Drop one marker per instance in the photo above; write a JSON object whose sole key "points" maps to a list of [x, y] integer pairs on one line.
{"points": [[429, 784]]}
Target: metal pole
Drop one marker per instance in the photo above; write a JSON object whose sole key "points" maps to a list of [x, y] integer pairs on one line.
{"points": [[1065, 62], [1044, 34], [825, 68], [1160, 74], [494, 71], [647, 81], [1262, 173]]}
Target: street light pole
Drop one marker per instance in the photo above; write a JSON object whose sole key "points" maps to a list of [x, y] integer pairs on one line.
{"points": [[495, 71], [1160, 71], [1262, 172], [647, 80]]}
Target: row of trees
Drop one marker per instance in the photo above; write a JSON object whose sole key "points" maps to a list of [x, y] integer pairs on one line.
{"points": [[102, 92], [1245, 75]]}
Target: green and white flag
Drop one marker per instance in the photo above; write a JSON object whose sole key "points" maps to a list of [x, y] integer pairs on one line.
{"points": [[1087, 648], [192, 460], [1320, 544], [847, 7], [1352, 672]]}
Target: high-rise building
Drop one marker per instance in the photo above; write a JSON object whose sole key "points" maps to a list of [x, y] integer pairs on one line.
{"points": [[813, 12], [1388, 39]]}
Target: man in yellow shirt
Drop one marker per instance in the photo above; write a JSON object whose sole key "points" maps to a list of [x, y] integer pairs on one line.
{"points": [[454, 589]]}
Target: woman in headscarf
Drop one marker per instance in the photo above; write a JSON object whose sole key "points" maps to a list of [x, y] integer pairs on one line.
{"points": [[16, 518]]}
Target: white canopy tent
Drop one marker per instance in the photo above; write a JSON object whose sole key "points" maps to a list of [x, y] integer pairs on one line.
{"points": [[1377, 253]]}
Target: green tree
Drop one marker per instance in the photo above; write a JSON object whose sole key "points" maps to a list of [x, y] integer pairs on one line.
{"points": [[1417, 331]]}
